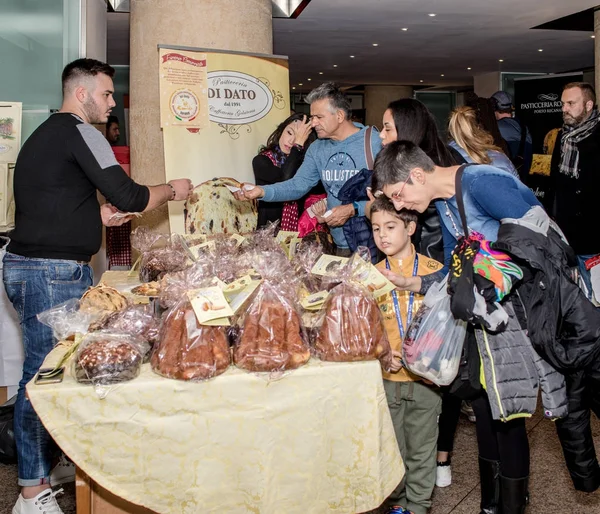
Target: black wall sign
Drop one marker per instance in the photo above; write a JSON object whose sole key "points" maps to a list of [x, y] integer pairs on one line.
{"points": [[538, 105]]}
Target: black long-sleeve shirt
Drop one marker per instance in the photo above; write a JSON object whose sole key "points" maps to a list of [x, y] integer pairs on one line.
{"points": [[58, 171], [266, 173]]}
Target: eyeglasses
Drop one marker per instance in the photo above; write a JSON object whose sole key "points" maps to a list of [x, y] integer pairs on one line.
{"points": [[396, 194]]}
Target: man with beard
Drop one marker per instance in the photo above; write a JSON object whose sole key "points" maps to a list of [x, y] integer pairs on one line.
{"points": [[112, 130], [58, 227], [576, 172]]}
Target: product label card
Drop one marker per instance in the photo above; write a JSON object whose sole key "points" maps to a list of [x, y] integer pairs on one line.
{"points": [[209, 303]]}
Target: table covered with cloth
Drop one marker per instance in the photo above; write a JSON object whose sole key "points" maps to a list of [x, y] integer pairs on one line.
{"points": [[317, 440]]}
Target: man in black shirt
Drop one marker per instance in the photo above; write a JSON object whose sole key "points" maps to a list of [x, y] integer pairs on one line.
{"points": [[58, 227]]}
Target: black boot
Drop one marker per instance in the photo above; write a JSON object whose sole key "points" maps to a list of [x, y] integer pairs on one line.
{"points": [[489, 474], [513, 495]]}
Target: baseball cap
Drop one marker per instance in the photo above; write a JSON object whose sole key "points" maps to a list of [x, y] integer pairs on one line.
{"points": [[503, 100]]}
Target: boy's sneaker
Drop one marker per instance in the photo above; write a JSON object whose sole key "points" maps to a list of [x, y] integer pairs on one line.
{"points": [[63, 472], [467, 410], [396, 509], [43, 503], [443, 474]]}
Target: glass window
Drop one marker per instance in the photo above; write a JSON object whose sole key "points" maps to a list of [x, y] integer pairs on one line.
{"points": [[37, 39]]}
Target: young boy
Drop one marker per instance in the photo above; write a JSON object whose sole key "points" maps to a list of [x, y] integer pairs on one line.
{"points": [[414, 405]]}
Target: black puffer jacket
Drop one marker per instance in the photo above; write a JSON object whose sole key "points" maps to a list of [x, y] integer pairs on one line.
{"points": [[564, 328]]}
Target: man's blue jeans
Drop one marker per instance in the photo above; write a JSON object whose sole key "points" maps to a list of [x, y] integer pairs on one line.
{"points": [[33, 286]]}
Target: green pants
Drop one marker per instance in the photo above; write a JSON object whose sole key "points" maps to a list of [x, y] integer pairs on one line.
{"points": [[415, 408]]}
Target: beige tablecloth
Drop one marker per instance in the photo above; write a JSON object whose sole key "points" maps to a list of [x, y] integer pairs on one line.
{"points": [[319, 440]]}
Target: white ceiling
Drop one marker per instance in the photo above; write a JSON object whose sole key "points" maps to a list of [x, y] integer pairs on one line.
{"points": [[464, 33]]}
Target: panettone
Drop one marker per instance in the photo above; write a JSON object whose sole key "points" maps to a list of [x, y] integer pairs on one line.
{"points": [[188, 350], [270, 339], [352, 329]]}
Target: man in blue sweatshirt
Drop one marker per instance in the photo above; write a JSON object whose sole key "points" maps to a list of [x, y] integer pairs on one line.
{"points": [[336, 156]]}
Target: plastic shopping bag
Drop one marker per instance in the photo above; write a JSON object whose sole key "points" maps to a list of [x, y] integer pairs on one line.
{"points": [[434, 340]]}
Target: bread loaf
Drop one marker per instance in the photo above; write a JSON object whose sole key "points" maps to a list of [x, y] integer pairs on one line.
{"points": [[108, 361], [102, 298], [270, 338], [212, 209], [188, 350], [352, 329]]}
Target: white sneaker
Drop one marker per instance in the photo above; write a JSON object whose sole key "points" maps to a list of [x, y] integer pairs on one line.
{"points": [[43, 503], [63, 472], [443, 476]]}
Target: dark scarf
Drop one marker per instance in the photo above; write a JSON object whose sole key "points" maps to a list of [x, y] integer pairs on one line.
{"points": [[569, 163]]}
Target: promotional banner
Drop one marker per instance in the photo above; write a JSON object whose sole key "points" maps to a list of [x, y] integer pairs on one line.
{"points": [[538, 106], [183, 90], [10, 130], [247, 96]]}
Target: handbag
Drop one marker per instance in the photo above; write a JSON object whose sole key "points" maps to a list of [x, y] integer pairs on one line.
{"points": [[467, 384]]}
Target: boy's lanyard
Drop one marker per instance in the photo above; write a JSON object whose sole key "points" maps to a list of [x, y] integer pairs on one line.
{"points": [[411, 300]]}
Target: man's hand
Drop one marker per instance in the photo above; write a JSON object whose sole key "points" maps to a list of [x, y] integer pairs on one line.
{"points": [[183, 188], [249, 192], [107, 211], [337, 216], [396, 362]]}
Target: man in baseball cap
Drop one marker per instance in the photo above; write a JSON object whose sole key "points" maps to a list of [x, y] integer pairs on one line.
{"points": [[520, 146]]}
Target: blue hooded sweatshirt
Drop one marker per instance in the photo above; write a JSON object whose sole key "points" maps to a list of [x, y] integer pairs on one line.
{"points": [[332, 162]]}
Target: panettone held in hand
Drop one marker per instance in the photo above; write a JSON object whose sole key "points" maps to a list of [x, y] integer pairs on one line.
{"points": [[352, 328]]}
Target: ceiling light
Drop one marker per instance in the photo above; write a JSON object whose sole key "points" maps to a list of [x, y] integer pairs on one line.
{"points": [[469, 68], [300, 84], [320, 73], [593, 37], [540, 49], [293, 87], [351, 57], [500, 60], [420, 81], [308, 79], [404, 29], [335, 65], [431, 14], [375, 44], [442, 75]]}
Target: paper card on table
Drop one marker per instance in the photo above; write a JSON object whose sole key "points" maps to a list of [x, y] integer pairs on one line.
{"points": [[237, 285], [133, 270], [285, 236], [216, 281], [294, 245], [237, 299], [315, 301], [209, 303], [328, 264], [377, 283], [239, 240]]}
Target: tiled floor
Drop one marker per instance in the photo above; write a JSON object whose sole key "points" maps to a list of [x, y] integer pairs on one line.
{"points": [[550, 487]]}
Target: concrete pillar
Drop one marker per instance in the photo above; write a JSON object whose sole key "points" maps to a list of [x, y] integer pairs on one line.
{"points": [[220, 24], [94, 29], [377, 99], [597, 49], [487, 84]]}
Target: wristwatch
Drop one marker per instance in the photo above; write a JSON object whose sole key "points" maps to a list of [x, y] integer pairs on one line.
{"points": [[356, 206]]}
